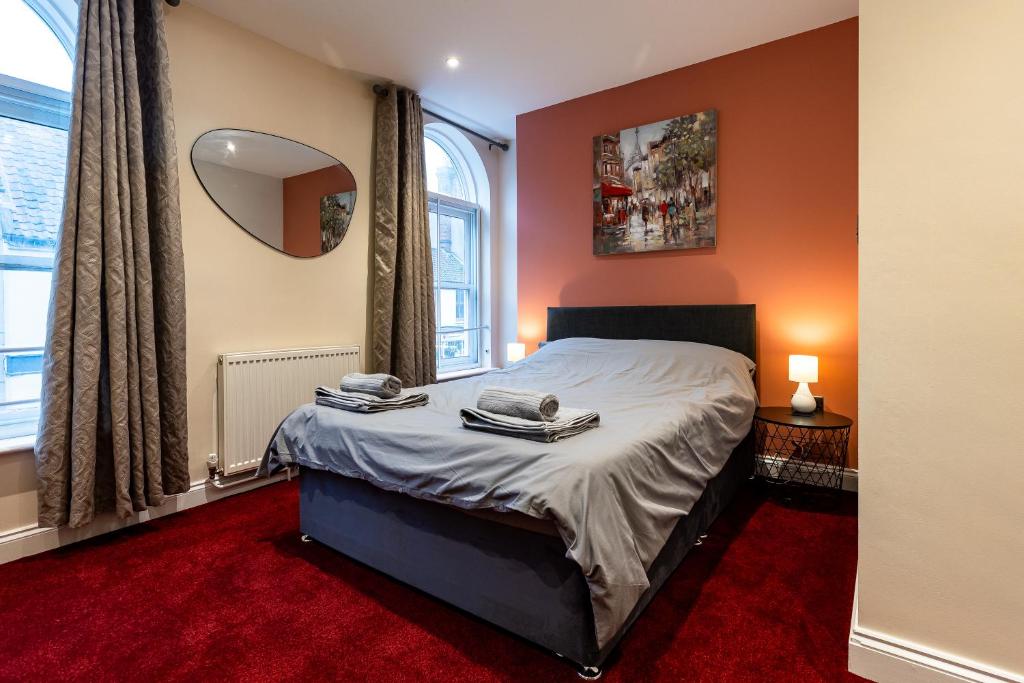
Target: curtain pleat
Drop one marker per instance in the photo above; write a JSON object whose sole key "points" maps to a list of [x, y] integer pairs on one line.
{"points": [[403, 326], [113, 427]]}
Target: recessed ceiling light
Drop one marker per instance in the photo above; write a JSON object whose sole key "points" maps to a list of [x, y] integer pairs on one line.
{"points": [[452, 62], [231, 146]]}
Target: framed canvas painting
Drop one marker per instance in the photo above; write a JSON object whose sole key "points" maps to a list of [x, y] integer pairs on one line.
{"points": [[335, 215], [655, 186]]}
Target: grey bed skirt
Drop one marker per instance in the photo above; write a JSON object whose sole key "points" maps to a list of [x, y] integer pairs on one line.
{"points": [[515, 578]]}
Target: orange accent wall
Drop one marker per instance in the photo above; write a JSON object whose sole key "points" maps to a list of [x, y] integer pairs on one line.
{"points": [[787, 205], [302, 195]]}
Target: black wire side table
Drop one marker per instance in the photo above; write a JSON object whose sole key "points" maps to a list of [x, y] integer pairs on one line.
{"points": [[801, 450]]}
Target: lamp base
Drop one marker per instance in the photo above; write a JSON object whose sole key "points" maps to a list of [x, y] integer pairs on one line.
{"points": [[803, 402]]}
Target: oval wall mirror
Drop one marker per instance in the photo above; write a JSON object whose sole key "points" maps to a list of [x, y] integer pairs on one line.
{"points": [[287, 195]]}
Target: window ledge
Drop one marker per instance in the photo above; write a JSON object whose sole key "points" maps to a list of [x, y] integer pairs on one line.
{"points": [[461, 374], [19, 444]]}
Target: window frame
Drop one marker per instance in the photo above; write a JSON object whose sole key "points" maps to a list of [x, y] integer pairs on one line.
{"points": [[469, 212], [61, 17], [41, 105], [477, 326], [461, 169]]}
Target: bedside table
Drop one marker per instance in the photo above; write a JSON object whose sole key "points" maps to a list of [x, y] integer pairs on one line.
{"points": [[801, 450]]}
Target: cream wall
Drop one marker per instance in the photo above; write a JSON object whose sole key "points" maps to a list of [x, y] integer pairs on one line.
{"points": [[507, 303], [941, 548], [240, 294], [17, 491]]}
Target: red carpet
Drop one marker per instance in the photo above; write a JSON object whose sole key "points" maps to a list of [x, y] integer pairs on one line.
{"points": [[227, 592]]}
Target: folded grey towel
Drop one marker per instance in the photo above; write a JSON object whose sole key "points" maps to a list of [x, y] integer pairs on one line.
{"points": [[367, 403], [568, 422], [524, 403], [377, 384]]}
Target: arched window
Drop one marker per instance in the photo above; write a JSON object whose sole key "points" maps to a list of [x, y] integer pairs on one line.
{"points": [[457, 244], [36, 47], [444, 176]]}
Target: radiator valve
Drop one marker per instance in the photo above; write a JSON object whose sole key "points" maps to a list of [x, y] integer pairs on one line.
{"points": [[211, 464]]}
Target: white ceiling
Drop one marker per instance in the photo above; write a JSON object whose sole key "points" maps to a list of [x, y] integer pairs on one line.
{"points": [[260, 153], [521, 55]]}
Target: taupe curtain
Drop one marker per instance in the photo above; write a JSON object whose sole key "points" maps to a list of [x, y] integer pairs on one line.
{"points": [[403, 281], [113, 431]]}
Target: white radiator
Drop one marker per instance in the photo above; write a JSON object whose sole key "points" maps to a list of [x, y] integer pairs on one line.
{"points": [[256, 391]]}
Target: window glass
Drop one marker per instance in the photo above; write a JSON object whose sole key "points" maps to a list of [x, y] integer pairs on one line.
{"points": [[443, 174], [35, 79], [454, 239], [29, 50], [455, 247]]}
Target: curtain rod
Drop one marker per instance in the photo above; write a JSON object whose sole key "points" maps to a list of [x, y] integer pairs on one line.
{"points": [[381, 91]]}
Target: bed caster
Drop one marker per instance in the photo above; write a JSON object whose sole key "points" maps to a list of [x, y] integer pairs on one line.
{"points": [[306, 538], [589, 673]]}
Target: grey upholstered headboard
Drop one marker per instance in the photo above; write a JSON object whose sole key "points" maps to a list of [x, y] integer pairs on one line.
{"points": [[731, 326]]}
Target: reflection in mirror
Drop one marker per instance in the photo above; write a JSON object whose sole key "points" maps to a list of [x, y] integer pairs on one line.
{"points": [[287, 195]]}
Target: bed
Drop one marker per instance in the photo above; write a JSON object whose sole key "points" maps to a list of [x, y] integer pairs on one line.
{"points": [[561, 544]]}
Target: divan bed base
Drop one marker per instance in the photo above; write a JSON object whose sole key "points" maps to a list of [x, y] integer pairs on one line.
{"points": [[514, 578]]}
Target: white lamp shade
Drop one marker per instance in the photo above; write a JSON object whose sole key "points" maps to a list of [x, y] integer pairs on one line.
{"points": [[803, 369], [515, 351]]}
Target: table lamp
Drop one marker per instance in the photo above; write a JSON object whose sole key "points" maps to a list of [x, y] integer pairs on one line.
{"points": [[515, 352], [803, 369]]}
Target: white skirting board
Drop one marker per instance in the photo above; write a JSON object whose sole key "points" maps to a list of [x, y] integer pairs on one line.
{"points": [[887, 659], [849, 476], [31, 540]]}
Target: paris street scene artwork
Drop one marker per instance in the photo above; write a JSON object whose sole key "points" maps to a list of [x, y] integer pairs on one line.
{"points": [[655, 186]]}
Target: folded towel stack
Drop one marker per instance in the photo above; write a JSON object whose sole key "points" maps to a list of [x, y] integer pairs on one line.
{"points": [[377, 384], [523, 403], [568, 422], [367, 403]]}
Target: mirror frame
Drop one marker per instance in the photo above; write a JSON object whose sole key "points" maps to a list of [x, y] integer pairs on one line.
{"points": [[199, 179]]}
